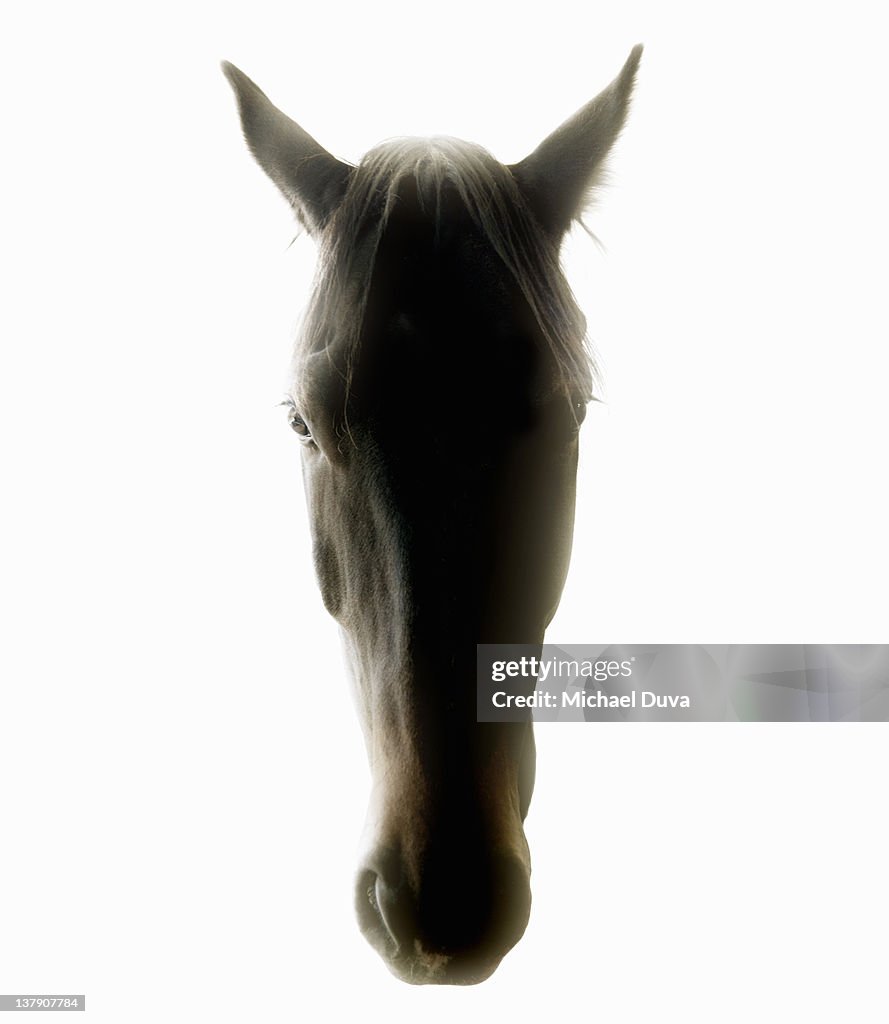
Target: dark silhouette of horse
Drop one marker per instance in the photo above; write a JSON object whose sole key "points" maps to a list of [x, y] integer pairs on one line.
{"points": [[440, 381]]}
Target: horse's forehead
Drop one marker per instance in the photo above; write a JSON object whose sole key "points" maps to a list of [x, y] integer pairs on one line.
{"points": [[418, 276], [423, 291]]}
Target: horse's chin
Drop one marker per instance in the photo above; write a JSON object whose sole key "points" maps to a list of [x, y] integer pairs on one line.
{"points": [[417, 972], [421, 968]]}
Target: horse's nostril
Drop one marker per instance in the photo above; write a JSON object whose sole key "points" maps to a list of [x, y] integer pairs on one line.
{"points": [[395, 909], [366, 905], [393, 905], [382, 913]]}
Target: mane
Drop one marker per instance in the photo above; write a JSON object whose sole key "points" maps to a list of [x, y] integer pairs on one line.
{"points": [[495, 206]]}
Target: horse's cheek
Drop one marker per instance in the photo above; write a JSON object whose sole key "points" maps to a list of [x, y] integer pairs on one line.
{"points": [[323, 514]]}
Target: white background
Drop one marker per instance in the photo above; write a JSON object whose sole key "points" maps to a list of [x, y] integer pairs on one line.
{"points": [[181, 776]]}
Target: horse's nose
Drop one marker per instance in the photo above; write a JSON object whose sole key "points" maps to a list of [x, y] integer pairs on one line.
{"points": [[454, 925]]}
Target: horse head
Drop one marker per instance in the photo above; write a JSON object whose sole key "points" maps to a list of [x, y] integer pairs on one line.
{"points": [[439, 384]]}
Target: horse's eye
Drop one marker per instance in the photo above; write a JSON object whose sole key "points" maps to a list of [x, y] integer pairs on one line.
{"points": [[299, 426]]}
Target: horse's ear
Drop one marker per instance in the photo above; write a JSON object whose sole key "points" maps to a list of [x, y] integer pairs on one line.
{"points": [[311, 180], [559, 176]]}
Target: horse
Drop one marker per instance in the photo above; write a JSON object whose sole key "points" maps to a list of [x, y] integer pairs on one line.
{"points": [[440, 380]]}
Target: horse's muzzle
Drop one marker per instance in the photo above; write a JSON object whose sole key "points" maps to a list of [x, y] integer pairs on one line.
{"points": [[454, 926]]}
